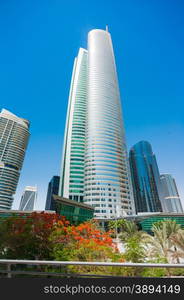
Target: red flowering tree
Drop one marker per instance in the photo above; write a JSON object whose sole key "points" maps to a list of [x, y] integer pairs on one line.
{"points": [[46, 236], [27, 236], [85, 242]]}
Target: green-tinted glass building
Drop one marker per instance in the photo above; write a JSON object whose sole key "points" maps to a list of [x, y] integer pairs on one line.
{"points": [[146, 221], [72, 176], [75, 212]]}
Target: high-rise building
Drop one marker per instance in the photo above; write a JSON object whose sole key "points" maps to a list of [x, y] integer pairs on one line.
{"points": [[28, 198], [145, 178], [95, 168], [14, 134], [53, 189], [171, 200], [72, 171]]}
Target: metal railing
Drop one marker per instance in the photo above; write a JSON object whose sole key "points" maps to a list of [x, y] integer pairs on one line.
{"points": [[13, 262]]}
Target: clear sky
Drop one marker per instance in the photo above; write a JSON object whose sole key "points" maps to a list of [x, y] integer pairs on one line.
{"points": [[38, 42]]}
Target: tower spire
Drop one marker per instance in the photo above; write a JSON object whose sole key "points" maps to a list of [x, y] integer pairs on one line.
{"points": [[106, 27]]}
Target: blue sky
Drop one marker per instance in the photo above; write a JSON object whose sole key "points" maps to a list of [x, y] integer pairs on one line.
{"points": [[39, 40]]}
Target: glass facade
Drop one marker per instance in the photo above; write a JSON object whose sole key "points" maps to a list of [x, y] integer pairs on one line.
{"points": [[146, 223], [14, 134], [171, 200], [53, 189], [95, 168], [74, 212], [72, 176], [145, 178], [107, 181], [28, 198]]}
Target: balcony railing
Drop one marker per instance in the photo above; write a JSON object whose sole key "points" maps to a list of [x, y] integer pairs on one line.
{"points": [[12, 267]]}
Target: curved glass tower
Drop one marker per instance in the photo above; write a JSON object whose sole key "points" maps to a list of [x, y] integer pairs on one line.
{"points": [[145, 178], [107, 182], [14, 134], [95, 167]]}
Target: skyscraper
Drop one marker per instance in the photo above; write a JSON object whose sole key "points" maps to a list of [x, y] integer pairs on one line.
{"points": [[95, 167], [72, 171], [14, 134], [53, 189], [171, 200], [145, 178], [28, 198]]}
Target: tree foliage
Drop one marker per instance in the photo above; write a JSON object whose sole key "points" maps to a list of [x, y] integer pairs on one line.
{"points": [[162, 245], [82, 242], [46, 236], [125, 228], [27, 236]]}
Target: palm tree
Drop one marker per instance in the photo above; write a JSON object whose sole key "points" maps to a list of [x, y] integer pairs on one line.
{"points": [[129, 229], [158, 245], [172, 229], [162, 244], [125, 227], [171, 226], [178, 241]]}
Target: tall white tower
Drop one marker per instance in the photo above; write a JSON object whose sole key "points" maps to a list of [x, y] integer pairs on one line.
{"points": [[102, 172], [107, 180], [14, 134]]}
